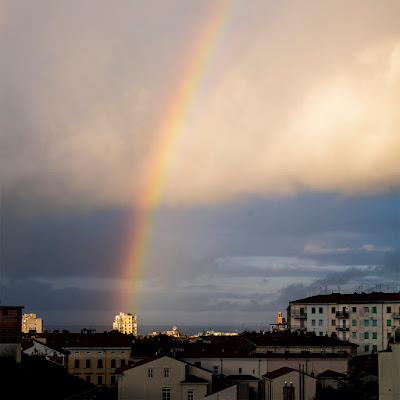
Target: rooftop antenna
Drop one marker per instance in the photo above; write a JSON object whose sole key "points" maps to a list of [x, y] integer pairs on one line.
{"points": [[338, 288]]}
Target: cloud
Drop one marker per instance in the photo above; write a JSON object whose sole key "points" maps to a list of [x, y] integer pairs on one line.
{"points": [[296, 96]]}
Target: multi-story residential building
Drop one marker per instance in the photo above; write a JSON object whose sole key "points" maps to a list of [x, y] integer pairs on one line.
{"points": [[125, 323], [92, 356], [366, 319], [30, 323], [10, 332]]}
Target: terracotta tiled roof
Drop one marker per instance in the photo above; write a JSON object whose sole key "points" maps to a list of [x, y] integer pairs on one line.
{"points": [[278, 372], [194, 379], [330, 374]]}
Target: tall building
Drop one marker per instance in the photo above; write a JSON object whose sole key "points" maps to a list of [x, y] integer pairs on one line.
{"points": [[125, 323], [31, 323], [366, 319], [10, 332]]}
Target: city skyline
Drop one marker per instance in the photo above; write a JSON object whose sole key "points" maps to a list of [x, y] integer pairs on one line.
{"points": [[272, 129]]}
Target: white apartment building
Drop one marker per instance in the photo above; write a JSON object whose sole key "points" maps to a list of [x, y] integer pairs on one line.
{"points": [[125, 323], [31, 323], [366, 319]]}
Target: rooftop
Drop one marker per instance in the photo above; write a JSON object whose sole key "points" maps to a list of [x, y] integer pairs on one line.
{"points": [[374, 297]]}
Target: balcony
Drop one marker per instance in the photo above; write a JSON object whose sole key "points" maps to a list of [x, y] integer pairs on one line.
{"points": [[342, 328], [342, 314], [297, 314], [299, 328], [397, 316]]}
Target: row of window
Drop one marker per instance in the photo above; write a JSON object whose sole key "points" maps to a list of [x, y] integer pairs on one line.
{"points": [[344, 310], [353, 323], [366, 335], [88, 363], [99, 379], [150, 372], [166, 394], [98, 352]]}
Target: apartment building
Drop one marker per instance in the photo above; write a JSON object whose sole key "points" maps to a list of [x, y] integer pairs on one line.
{"points": [[125, 323], [30, 323], [93, 356], [366, 319]]}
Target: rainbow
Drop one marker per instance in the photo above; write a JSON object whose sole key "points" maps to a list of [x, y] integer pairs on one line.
{"points": [[170, 127]]}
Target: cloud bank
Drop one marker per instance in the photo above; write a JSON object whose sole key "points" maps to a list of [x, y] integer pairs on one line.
{"points": [[298, 95]]}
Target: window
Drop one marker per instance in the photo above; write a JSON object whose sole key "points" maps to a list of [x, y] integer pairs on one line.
{"points": [[123, 363], [76, 352], [321, 333], [112, 351], [320, 310], [301, 311], [374, 310], [334, 322], [215, 370], [123, 352], [366, 309], [389, 322], [113, 364], [388, 309], [99, 363], [297, 350], [374, 348], [113, 380], [150, 373], [166, 372], [354, 322], [344, 336], [354, 309], [240, 370], [354, 335], [374, 335], [313, 310], [374, 322], [76, 363], [366, 335], [333, 310], [313, 322], [88, 379], [366, 322], [190, 395], [366, 347], [100, 352], [88, 364], [310, 349], [99, 379], [166, 394], [320, 322], [88, 352]]}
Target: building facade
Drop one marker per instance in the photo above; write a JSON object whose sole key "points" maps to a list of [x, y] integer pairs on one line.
{"points": [[125, 323], [366, 319], [93, 356], [30, 323], [10, 332], [162, 377]]}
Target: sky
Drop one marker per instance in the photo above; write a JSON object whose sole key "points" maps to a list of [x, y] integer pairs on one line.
{"points": [[249, 151]]}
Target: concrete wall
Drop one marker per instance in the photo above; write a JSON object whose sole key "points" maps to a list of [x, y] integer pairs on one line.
{"points": [[229, 393], [274, 388], [260, 366], [389, 370]]}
